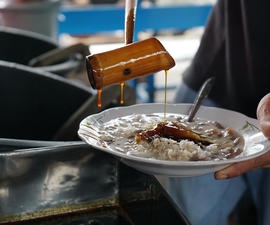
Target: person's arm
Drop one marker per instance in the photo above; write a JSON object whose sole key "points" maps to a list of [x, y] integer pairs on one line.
{"points": [[263, 161]]}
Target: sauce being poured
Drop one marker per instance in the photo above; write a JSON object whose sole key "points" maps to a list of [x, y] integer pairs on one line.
{"points": [[99, 98], [165, 97], [122, 92]]}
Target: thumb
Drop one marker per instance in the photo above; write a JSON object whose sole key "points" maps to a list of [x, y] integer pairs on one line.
{"points": [[263, 115]]}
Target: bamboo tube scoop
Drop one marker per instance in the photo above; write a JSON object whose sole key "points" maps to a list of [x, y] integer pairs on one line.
{"points": [[128, 62], [133, 60]]}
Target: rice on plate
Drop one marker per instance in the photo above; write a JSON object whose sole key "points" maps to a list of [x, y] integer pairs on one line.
{"points": [[175, 139]]}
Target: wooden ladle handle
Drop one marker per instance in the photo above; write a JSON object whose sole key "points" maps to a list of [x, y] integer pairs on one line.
{"points": [[130, 15]]}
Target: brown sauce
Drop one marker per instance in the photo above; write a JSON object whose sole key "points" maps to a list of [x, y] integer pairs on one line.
{"points": [[165, 94], [174, 131], [122, 92], [99, 104]]}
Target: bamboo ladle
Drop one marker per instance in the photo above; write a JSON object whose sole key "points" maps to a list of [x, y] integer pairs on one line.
{"points": [[133, 60]]}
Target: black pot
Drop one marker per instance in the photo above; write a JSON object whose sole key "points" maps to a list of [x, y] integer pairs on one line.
{"points": [[21, 47], [35, 104]]}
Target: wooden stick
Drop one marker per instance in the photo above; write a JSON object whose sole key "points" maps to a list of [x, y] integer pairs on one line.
{"points": [[130, 15]]}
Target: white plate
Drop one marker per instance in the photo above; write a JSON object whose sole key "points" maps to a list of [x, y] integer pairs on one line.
{"points": [[255, 142]]}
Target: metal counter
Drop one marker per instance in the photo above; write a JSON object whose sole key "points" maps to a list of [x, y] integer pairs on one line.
{"points": [[73, 184]]}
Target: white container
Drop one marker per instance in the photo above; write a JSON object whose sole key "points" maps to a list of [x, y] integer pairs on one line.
{"points": [[38, 16]]}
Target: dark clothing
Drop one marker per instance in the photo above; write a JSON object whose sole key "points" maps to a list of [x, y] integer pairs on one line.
{"points": [[235, 49]]}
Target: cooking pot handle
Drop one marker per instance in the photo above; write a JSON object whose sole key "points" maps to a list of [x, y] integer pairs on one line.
{"points": [[69, 129], [58, 54]]}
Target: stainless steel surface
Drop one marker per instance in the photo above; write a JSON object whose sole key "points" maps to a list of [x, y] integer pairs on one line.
{"points": [[68, 182], [200, 98], [43, 181]]}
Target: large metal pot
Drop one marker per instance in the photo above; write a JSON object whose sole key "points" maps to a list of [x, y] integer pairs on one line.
{"points": [[34, 104], [22, 46]]}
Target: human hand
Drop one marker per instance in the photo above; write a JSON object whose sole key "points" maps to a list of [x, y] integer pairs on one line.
{"points": [[263, 161]]}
